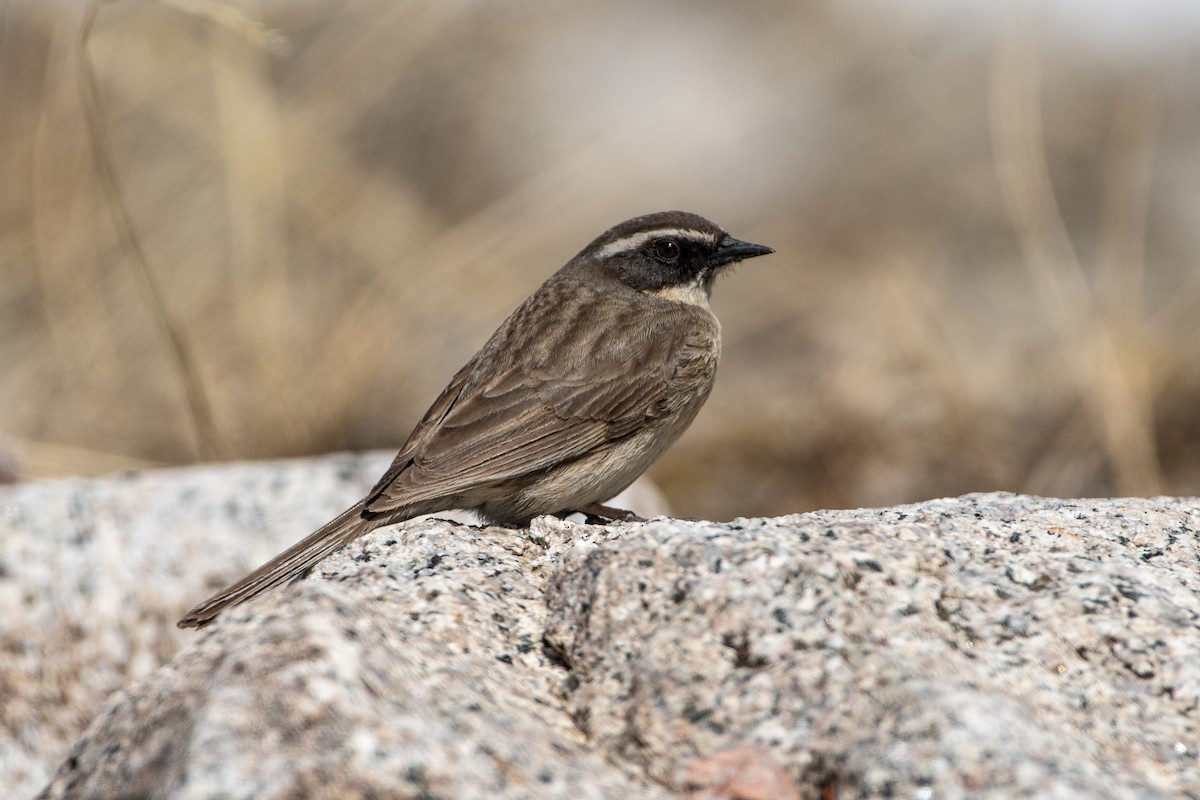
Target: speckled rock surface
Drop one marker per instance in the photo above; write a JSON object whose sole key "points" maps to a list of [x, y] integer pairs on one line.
{"points": [[94, 573], [986, 646], [414, 668]]}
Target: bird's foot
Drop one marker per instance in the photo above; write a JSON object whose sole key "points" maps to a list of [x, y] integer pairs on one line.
{"points": [[598, 514]]}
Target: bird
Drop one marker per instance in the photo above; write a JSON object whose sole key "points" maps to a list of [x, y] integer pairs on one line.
{"points": [[577, 392]]}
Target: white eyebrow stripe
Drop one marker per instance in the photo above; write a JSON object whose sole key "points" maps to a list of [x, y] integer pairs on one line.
{"points": [[636, 240]]}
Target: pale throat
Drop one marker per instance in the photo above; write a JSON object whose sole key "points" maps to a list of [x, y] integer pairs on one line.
{"points": [[692, 293]]}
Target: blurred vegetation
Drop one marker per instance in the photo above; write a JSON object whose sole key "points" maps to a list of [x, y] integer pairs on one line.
{"points": [[260, 229]]}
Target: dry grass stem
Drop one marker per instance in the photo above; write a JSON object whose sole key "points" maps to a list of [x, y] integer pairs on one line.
{"points": [[1112, 387], [183, 360]]}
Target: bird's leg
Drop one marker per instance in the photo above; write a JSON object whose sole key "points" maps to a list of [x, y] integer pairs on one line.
{"points": [[598, 514]]}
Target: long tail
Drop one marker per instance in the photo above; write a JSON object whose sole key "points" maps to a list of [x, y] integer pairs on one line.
{"points": [[298, 558]]}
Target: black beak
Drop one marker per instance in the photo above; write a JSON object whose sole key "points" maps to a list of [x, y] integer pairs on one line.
{"points": [[732, 250]]}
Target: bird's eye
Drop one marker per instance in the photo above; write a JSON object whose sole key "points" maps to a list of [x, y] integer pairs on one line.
{"points": [[666, 249]]}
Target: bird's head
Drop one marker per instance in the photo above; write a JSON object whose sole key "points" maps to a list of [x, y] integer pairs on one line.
{"points": [[671, 254]]}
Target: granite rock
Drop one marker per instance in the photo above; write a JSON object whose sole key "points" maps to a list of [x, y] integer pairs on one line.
{"points": [[94, 573], [985, 646]]}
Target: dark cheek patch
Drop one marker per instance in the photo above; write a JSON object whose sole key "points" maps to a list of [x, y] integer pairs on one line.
{"points": [[650, 277]]}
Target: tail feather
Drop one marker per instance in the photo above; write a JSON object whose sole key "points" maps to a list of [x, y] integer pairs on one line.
{"points": [[297, 559]]}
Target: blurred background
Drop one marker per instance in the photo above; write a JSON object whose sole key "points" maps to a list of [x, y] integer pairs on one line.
{"points": [[244, 230]]}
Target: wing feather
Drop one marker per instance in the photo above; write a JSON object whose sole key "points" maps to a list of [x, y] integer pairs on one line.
{"points": [[541, 412]]}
